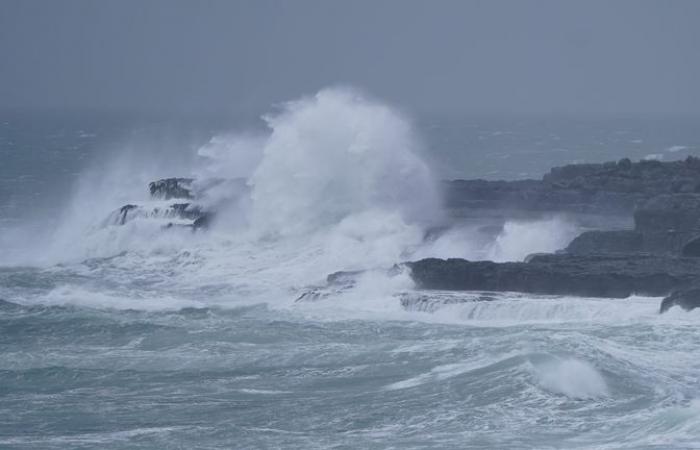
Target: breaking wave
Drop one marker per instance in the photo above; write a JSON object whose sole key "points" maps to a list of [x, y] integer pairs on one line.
{"points": [[336, 181]]}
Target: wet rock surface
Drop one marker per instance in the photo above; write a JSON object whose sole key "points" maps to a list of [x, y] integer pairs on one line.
{"points": [[561, 274], [612, 187], [658, 256], [687, 298], [169, 188]]}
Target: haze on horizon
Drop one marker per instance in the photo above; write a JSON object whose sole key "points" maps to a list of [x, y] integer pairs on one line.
{"points": [[522, 56]]}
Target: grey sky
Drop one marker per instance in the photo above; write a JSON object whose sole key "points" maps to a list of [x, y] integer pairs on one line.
{"points": [[476, 56]]}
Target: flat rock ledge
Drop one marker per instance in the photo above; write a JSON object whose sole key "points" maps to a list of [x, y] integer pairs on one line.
{"points": [[610, 276]]}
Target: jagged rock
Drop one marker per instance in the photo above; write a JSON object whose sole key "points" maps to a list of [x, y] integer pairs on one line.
{"points": [[187, 211], [182, 211], [169, 188], [124, 212], [687, 298], [614, 276], [335, 283], [202, 221]]}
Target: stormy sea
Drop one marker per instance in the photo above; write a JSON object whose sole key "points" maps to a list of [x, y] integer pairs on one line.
{"points": [[129, 322]]}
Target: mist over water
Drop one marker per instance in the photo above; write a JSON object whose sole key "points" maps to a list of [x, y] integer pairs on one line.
{"points": [[195, 338]]}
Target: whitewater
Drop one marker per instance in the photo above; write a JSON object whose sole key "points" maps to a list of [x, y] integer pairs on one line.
{"points": [[140, 336]]}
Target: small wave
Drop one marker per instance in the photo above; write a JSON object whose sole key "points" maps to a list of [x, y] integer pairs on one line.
{"points": [[94, 438], [445, 371], [263, 392], [571, 377], [509, 309], [81, 296]]}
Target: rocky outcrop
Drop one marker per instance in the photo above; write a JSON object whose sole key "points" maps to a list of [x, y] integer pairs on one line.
{"points": [[646, 178], [182, 213], [667, 224], [608, 188], [169, 188], [687, 298], [533, 196], [561, 274], [657, 257], [122, 216], [187, 208], [178, 214]]}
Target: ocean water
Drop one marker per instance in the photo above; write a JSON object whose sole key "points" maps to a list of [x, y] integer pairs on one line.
{"points": [[135, 336]]}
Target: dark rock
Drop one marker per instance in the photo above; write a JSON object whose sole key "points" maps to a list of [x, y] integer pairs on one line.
{"points": [[123, 212], [672, 213], [186, 211], [169, 188], [203, 221], [648, 178], [533, 196], [615, 276], [610, 188], [624, 164], [615, 241], [336, 283], [667, 224], [687, 298]]}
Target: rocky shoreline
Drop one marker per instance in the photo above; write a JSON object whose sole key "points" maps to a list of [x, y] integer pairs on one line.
{"points": [[656, 254]]}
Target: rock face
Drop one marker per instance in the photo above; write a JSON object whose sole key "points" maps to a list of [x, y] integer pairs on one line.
{"points": [[561, 274], [121, 216], [687, 298], [534, 196], [186, 210], [659, 256], [613, 187], [186, 214], [667, 224], [169, 188], [646, 178]]}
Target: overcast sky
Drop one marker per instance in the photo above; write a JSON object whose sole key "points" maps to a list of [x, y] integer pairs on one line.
{"points": [[476, 56]]}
